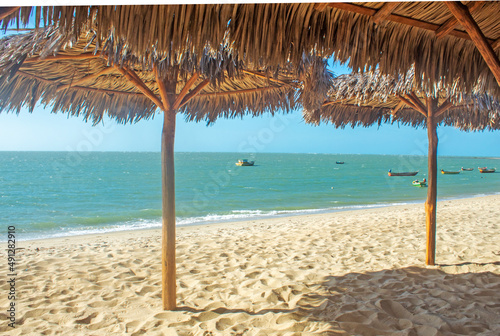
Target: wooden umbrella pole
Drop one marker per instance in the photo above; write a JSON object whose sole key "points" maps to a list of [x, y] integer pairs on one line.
{"points": [[430, 203], [168, 211]]}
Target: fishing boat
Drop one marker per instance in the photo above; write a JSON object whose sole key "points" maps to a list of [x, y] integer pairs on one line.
{"points": [[245, 162], [418, 183], [339, 162], [467, 169], [486, 170], [449, 172], [402, 174]]}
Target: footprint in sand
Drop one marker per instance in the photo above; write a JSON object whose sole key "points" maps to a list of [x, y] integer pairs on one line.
{"points": [[394, 309], [87, 320]]}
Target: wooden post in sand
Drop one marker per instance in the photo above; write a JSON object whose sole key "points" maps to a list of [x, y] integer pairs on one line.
{"points": [[169, 102], [430, 203], [168, 211], [167, 177], [430, 111], [168, 269]]}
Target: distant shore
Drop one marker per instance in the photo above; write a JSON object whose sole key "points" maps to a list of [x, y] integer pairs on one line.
{"points": [[350, 272]]}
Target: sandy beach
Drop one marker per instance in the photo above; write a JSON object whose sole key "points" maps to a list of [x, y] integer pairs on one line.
{"points": [[346, 273]]}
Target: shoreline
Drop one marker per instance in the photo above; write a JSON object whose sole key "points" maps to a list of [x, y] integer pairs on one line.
{"points": [[304, 212], [238, 224], [359, 272]]}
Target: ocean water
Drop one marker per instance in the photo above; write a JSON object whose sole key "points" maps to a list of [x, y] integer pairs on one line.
{"points": [[54, 194]]}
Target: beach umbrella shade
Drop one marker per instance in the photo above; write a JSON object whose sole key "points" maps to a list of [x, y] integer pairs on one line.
{"points": [[78, 77], [371, 98], [450, 42]]}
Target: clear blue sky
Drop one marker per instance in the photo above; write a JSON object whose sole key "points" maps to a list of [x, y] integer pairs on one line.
{"points": [[44, 131]]}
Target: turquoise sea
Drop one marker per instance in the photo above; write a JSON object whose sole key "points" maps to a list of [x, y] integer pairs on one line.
{"points": [[54, 194]]}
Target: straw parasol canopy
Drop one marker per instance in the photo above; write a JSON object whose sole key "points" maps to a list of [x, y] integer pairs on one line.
{"points": [[371, 98], [452, 42], [84, 78], [79, 78], [457, 43], [259, 34]]}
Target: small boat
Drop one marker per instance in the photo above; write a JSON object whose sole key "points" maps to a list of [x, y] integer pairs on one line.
{"points": [[418, 183], [402, 174], [467, 169], [339, 162], [486, 170], [245, 162], [449, 172]]}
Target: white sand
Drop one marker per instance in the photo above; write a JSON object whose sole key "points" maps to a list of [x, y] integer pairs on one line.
{"points": [[347, 273]]}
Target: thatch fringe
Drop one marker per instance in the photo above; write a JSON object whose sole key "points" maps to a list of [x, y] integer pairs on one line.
{"points": [[25, 92], [227, 102], [48, 68], [316, 84], [343, 115], [371, 98], [273, 34]]}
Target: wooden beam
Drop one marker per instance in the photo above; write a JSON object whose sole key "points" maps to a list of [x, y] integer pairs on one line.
{"points": [[496, 44], [107, 91], [62, 57], [320, 6], [416, 100], [194, 92], [265, 77], [86, 78], [25, 74], [132, 73], [398, 107], [163, 90], [185, 90], [20, 29], [430, 203], [463, 16], [443, 108], [239, 91], [168, 211], [452, 22], [412, 97], [397, 19], [410, 104], [353, 8], [6, 11], [334, 102], [139, 84], [384, 11], [215, 94]]}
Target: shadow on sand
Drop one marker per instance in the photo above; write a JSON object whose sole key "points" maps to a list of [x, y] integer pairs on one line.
{"points": [[407, 301]]}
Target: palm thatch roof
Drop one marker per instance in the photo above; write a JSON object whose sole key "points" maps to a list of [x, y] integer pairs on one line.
{"points": [[391, 36], [78, 77], [372, 98], [260, 31]]}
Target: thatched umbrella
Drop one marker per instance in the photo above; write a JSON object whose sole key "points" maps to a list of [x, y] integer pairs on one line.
{"points": [[83, 79], [451, 42], [372, 98]]}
